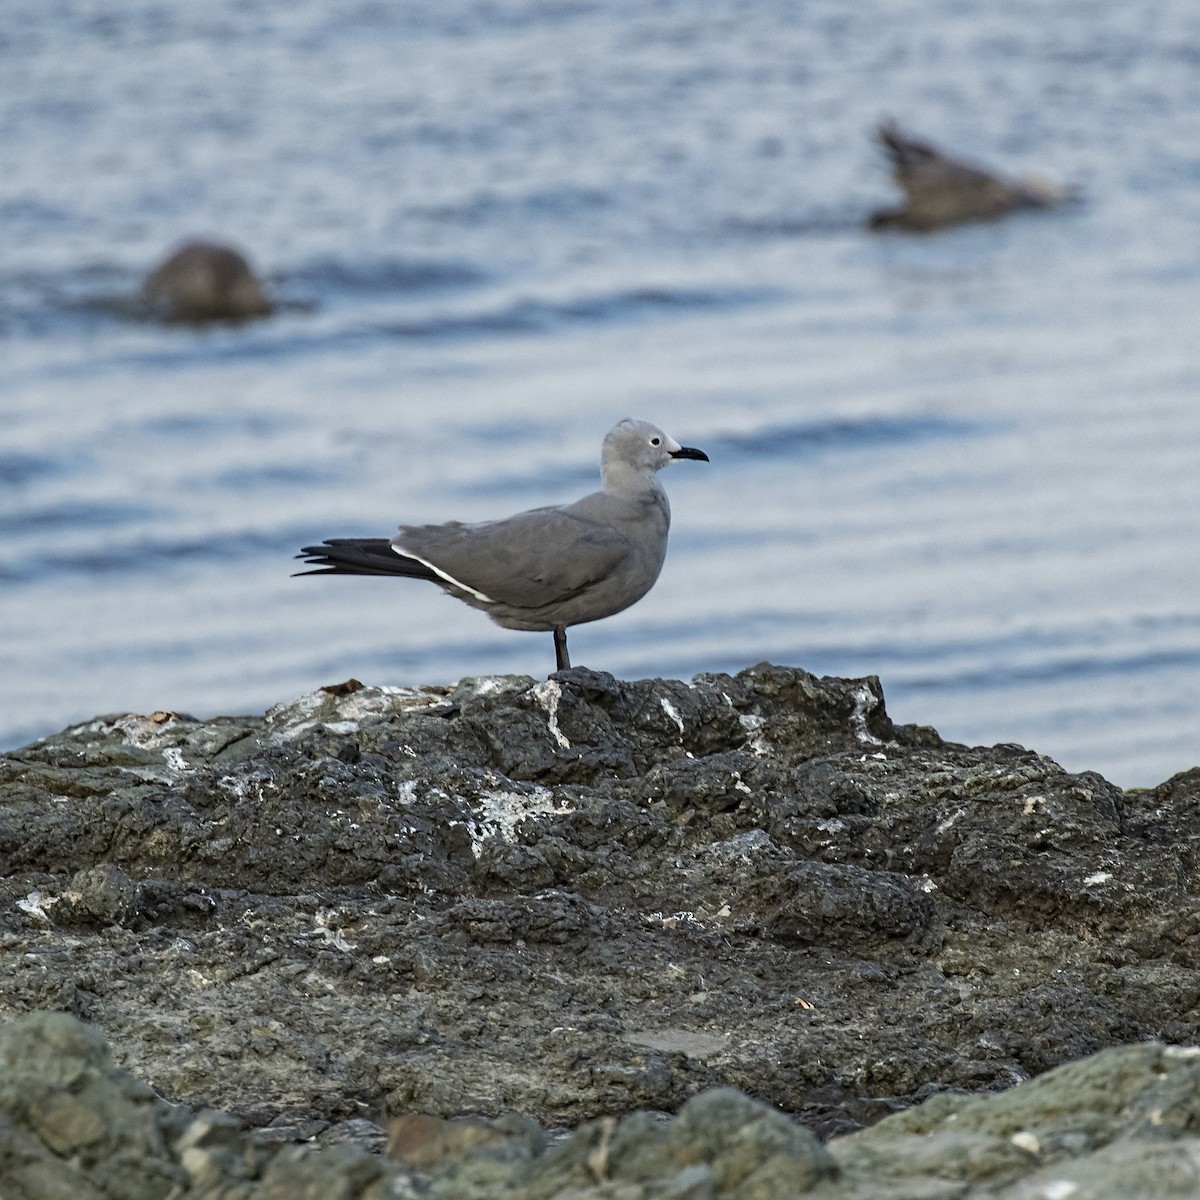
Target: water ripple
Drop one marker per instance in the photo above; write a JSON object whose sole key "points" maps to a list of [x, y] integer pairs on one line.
{"points": [[793, 439], [17, 469], [383, 275], [153, 554], [92, 514], [535, 316]]}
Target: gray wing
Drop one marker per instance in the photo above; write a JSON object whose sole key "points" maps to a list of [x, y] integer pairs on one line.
{"points": [[543, 556]]}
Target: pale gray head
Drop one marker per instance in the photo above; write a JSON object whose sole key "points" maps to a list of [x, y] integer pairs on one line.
{"points": [[634, 450]]}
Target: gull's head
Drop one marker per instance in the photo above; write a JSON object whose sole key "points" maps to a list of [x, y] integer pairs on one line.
{"points": [[636, 446]]}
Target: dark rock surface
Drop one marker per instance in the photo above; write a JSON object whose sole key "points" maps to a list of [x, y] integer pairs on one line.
{"points": [[582, 897], [1117, 1125]]}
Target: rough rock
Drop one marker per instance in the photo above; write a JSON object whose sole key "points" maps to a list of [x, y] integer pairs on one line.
{"points": [[581, 897], [1121, 1123]]}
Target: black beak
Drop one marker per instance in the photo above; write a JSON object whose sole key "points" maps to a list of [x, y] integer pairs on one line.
{"points": [[689, 452]]}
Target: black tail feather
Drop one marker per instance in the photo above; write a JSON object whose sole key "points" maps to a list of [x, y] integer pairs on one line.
{"points": [[362, 556]]}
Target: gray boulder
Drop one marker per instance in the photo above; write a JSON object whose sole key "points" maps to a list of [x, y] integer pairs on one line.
{"points": [[205, 281]]}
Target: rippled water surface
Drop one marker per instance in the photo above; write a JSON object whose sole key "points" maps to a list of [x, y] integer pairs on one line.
{"points": [[964, 462]]}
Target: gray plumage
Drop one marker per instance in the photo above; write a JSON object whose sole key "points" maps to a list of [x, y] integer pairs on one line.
{"points": [[549, 568]]}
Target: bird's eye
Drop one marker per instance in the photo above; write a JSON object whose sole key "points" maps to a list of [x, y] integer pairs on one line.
{"points": [[656, 441]]}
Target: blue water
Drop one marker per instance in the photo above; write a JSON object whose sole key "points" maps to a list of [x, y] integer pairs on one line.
{"points": [[965, 462]]}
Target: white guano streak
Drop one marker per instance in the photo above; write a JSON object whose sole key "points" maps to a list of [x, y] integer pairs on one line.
{"points": [[547, 695]]}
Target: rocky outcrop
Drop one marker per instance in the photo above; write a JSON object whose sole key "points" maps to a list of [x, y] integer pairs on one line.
{"points": [[583, 897]]}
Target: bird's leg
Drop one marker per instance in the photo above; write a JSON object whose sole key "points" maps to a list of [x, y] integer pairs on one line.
{"points": [[560, 648]]}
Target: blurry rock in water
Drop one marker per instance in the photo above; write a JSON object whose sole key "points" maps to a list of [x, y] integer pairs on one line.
{"points": [[205, 281], [941, 191]]}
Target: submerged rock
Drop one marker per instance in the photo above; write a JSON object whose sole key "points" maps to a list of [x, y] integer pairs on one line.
{"points": [[205, 281], [580, 897]]}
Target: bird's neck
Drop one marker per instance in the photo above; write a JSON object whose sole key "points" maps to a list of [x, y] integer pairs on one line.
{"points": [[620, 479], [641, 494]]}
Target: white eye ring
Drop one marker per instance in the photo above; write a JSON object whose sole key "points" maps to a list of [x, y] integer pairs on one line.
{"points": [[656, 441]]}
